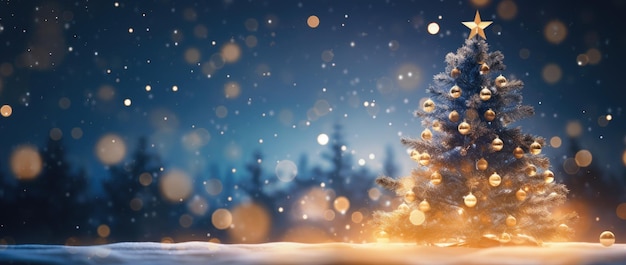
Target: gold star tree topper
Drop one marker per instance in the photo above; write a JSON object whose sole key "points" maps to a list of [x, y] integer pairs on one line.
{"points": [[477, 26]]}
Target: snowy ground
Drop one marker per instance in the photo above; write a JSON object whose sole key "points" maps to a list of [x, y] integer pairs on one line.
{"points": [[298, 253]]}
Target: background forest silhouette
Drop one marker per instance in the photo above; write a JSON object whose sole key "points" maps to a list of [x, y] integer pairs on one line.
{"points": [[60, 207]]}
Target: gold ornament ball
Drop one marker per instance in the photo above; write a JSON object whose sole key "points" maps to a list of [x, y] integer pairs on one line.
{"points": [[435, 178], [427, 134], [518, 152], [511, 220], [424, 159], [485, 94], [531, 170], [548, 176], [484, 69], [520, 195], [505, 238], [607, 238], [464, 128], [497, 144], [455, 91], [404, 207], [455, 73], [535, 148], [500, 81], [429, 105], [495, 179], [424, 206], [454, 116], [490, 115], [470, 200], [436, 125], [415, 155], [409, 197], [482, 164]]}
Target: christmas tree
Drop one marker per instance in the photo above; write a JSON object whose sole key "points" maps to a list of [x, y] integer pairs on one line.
{"points": [[478, 182]]}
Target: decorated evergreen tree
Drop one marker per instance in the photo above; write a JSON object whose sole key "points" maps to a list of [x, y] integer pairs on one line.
{"points": [[478, 182]]}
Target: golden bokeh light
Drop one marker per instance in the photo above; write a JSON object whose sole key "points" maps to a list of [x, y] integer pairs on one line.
{"points": [[135, 204], [356, 217], [26, 162], [621, 211], [231, 52], [232, 90], [624, 157], [175, 185], [56, 134], [77, 133], [574, 129], [221, 218], [313, 21], [6, 110], [341, 204], [192, 56], [110, 149], [106, 92], [555, 31], [374, 193], [582, 59], [552, 73], [583, 158], [104, 230], [480, 3], [196, 139], [251, 41], [417, 217], [570, 166], [145, 179], [64, 103], [555, 141], [594, 56], [313, 204], [221, 112], [185, 221], [507, 10], [250, 223], [198, 205]]}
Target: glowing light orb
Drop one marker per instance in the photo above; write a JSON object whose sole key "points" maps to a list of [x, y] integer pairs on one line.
{"points": [[231, 52], [313, 21], [6, 110], [221, 219], [433, 28], [213, 186], [555, 31], [286, 170], [417, 217], [110, 149], [175, 185], [127, 102], [250, 223], [341, 204], [322, 139], [583, 158], [104, 230], [26, 162]]}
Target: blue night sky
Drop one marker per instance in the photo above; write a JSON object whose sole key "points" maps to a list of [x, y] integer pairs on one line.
{"points": [[230, 77]]}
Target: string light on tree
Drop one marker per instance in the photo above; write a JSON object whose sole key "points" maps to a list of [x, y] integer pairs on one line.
{"points": [[454, 116], [464, 128], [484, 69], [482, 164], [518, 152], [500, 81], [497, 144], [455, 73], [435, 178], [535, 148], [485, 94], [409, 196], [424, 206], [426, 134], [490, 115], [429, 105], [548, 176]]}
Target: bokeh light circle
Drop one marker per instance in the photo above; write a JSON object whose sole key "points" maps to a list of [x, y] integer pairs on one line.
{"points": [[286, 170], [313, 21], [110, 149], [175, 185], [26, 162], [221, 219]]}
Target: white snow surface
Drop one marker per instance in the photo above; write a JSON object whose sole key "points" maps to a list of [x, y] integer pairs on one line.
{"points": [[140, 253]]}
